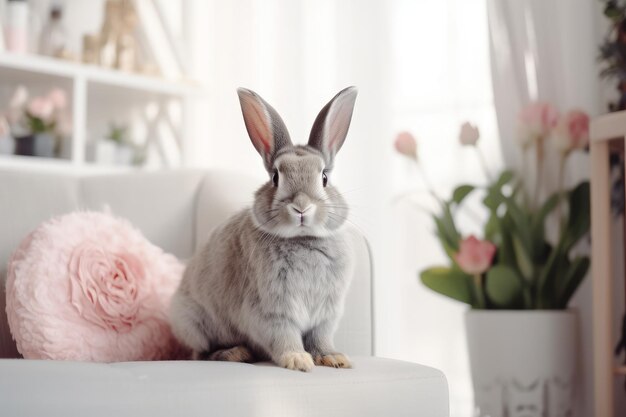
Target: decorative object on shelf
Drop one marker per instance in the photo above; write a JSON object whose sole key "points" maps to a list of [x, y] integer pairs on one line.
{"points": [[16, 26], [124, 151], [91, 49], [109, 34], [127, 58], [53, 39], [7, 144], [158, 41], [39, 124], [116, 148], [519, 264], [117, 46]]}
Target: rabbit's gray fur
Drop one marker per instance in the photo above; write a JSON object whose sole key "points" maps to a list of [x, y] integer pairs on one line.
{"points": [[271, 281]]}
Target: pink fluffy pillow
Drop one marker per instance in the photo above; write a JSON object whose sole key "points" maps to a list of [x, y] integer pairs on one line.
{"points": [[88, 286]]}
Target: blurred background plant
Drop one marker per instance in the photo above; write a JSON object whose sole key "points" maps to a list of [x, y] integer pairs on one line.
{"points": [[517, 264], [118, 133], [39, 114]]}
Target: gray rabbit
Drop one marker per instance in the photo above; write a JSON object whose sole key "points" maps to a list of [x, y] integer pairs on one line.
{"points": [[271, 281]]}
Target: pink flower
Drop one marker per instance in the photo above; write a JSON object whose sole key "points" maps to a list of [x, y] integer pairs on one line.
{"points": [[406, 144], [469, 134], [572, 131], [58, 98], [105, 288], [475, 256], [41, 107], [535, 122], [19, 97]]}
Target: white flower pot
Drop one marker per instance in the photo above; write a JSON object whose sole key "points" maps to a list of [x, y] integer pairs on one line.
{"points": [[125, 155], [524, 363], [104, 152]]}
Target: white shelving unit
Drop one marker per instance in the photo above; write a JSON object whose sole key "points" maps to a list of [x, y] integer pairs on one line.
{"points": [[94, 92]]}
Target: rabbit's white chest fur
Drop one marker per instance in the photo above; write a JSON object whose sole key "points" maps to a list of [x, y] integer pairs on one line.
{"points": [[307, 280]]}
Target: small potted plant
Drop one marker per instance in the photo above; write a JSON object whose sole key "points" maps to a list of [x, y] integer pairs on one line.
{"points": [[38, 124], [116, 148], [520, 274]]}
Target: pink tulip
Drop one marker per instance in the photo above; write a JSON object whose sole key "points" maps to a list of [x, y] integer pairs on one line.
{"points": [[475, 256], [19, 97], [406, 144], [572, 131], [58, 98], [469, 134], [40, 107], [535, 122]]}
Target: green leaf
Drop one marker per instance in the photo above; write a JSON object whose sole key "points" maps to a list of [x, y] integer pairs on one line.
{"points": [[505, 178], [492, 229], [539, 218], [506, 251], [546, 285], [547, 207], [452, 283], [449, 251], [523, 259], [504, 286], [521, 224], [461, 192], [578, 221], [447, 238], [572, 279], [446, 228]]}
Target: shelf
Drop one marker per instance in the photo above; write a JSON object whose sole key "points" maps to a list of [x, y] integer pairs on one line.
{"points": [[22, 67], [34, 163]]}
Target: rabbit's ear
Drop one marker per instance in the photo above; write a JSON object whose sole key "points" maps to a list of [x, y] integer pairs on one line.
{"points": [[331, 125], [265, 127]]}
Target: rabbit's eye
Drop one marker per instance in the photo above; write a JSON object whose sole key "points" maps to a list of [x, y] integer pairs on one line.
{"points": [[324, 179], [275, 178]]}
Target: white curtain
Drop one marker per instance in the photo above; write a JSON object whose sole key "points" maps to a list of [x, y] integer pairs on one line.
{"points": [[546, 50], [419, 65]]}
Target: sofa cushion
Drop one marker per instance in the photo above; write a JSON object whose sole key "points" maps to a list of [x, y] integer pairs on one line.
{"points": [[374, 387]]}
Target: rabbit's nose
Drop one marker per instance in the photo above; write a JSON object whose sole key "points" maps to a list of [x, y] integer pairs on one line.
{"points": [[300, 211]]}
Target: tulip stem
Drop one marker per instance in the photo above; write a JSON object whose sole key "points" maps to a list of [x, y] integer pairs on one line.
{"points": [[483, 162], [560, 188], [427, 182], [478, 287], [525, 190], [539, 172]]}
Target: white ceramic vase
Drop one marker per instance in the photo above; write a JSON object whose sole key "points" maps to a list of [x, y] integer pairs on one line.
{"points": [[105, 152], [524, 363], [125, 155]]}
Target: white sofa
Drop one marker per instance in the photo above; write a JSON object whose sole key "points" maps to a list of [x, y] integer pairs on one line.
{"points": [[177, 210]]}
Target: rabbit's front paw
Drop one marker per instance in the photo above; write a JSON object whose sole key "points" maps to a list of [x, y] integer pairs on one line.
{"points": [[298, 361], [335, 360]]}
